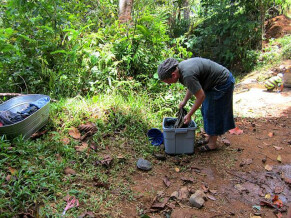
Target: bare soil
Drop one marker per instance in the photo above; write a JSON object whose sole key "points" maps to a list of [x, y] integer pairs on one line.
{"points": [[246, 171], [234, 176]]}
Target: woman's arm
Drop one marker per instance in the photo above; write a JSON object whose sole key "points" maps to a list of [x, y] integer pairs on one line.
{"points": [[186, 98], [200, 96]]}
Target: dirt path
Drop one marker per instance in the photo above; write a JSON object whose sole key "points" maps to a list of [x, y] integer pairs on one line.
{"points": [[235, 178]]}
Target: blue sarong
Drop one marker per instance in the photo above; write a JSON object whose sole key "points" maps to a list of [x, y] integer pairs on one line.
{"points": [[217, 108]]}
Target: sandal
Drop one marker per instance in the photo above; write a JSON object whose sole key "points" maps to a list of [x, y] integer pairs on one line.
{"points": [[206, 148]]}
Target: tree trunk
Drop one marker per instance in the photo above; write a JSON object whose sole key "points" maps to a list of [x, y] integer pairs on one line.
{"points": [[125, 7], [262, 11], [186, 10]]}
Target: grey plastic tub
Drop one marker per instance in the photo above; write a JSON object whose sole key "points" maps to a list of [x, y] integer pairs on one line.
{"points": [[179, 140], [29, 125]]}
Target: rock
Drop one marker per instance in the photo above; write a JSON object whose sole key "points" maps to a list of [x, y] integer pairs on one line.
{"points": [[197, 199], [160, 156], [144, 164]]}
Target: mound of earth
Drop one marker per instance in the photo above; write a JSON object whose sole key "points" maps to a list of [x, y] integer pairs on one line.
{"points": [[277, 27]]}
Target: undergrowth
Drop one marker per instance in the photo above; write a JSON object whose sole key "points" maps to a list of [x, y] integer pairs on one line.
{"points": [[32, 172]]}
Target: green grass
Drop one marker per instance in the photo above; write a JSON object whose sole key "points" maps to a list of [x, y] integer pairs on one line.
{"points": [[32, 174]]}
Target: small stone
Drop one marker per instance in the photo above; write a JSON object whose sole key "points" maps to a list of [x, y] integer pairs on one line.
{"points": [[197, 199], [144, 164], [160, 156]]}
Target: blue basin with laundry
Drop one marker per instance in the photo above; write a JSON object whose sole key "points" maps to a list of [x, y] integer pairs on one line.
{"points": [[31, 123]]}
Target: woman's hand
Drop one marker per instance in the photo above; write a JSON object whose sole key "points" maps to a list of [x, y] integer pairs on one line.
{"points": [[187, 119]]}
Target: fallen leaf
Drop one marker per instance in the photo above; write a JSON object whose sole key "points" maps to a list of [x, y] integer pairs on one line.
{"points": [[177, 169], [8, 178], [69, 171], [100, 184], [74, 132], [211, 197], [279, 158], [268, 167], [38, 134], [277, 201], [174, 194], [66, 140], [236, 131], [268, 196], [246, 162], [183, 193], [278, 148], [81, 148], [166, 181], [88, 127], [12, 171], [270, 134], [226, 142], [190, 180], [106, 161], [160, 205], [205, 188], [213, 191]]}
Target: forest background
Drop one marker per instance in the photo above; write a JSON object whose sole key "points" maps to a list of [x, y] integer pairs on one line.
{"points": [[100, 66], [66, 48]]}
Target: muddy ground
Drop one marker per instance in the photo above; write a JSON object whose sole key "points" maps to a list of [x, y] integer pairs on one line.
{"points": [[236, 178]]}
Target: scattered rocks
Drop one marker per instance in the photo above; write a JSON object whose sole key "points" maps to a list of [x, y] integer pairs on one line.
{"points": [[144, 164], [197, 199]]}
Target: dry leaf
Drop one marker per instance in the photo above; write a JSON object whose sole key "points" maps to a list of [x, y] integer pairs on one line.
{"points": [[187, 180], [74, 132], [268, 167], [213, 191], [183, 193], [12, 171], [83, 147], [278, 148], [160, 205], [88, 127], [66, 140], [177, 169], [211, 197], [277, 201], [268, 196], [8, 178], [279, 158], [226, 142], [69, 171], [106, 161], [236, 131], [270, 134], [166, 181]]}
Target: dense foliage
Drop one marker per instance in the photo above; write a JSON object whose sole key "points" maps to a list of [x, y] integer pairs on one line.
{"points": [[64, 48]]}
